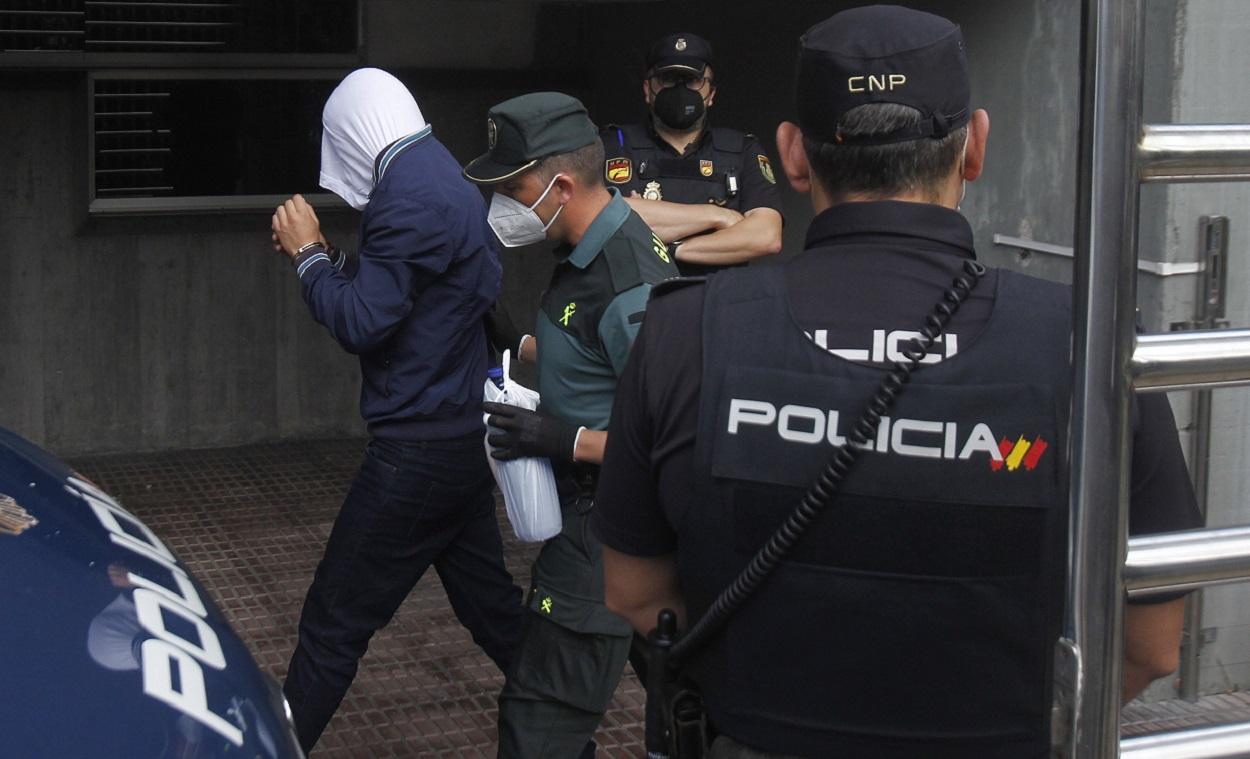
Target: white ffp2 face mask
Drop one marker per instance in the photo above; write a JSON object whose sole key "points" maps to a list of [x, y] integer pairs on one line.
{"points": [[517, 224]]}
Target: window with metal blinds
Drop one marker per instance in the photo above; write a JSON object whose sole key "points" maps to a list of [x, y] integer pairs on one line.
{"points": [[133, 138], [179, 26], [191, 139]]}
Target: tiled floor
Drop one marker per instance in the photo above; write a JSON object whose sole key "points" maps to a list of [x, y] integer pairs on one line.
{"points": [[251, 523]]}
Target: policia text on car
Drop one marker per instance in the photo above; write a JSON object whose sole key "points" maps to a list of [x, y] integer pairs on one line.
{"points": [[916, 616]]}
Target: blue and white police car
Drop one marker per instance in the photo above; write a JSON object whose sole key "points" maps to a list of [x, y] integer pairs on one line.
{"points": [[108, 647]]}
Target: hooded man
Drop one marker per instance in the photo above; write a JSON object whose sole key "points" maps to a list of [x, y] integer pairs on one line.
{"points": [[410, 305]]}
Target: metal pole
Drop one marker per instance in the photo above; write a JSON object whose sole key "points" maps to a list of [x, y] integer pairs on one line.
{"points": [[1185, 560], [1103, 310], [1224, 742], [1195, 153], [1198, 359]]}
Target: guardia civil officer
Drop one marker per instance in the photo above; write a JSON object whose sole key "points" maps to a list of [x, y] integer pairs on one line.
{"points": [[545, 165], [916, 616], [709, 192]]}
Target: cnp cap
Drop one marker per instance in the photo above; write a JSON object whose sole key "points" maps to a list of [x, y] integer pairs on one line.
{"points": [[682, 52], [524, 130], [882, 54]]}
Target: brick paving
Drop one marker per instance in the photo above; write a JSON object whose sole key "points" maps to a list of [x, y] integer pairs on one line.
{"points": [[251, 523]]}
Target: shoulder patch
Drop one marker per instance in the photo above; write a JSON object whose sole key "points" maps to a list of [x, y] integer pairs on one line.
{"points": [[766, 168], [618, 170], [660, 249]]}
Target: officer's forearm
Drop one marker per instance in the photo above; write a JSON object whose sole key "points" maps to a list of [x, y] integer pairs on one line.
{"points": [[677, 221], [1152, 641], [638, 588], [759, 234], [590, 445], [528, 351]]}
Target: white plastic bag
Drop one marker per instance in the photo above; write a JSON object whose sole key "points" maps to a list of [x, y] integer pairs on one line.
{"points": [[528, 486]]}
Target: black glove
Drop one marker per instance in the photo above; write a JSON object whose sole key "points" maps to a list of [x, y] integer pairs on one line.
{"points": [[501, 332], [519, 432]]}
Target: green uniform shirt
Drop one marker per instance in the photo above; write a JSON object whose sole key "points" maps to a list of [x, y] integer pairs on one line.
{"points": [[592, 310]]}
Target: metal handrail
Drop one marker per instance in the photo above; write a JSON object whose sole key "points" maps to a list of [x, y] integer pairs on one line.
{"points": [[1223, 742], [1186, 560], [1186, 360], [1194, 153], [1117, 155], [1088, 655]]}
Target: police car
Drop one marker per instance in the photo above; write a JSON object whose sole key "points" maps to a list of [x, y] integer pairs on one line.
{"points": [[108, 647]]}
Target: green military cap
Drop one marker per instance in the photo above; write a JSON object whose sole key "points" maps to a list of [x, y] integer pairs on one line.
{"points": [[524, 130]]}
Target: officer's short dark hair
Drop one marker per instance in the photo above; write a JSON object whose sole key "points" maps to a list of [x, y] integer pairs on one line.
{"points": [[882, 171], [585, 163]]}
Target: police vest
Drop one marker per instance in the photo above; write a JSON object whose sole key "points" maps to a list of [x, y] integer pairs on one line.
{"points": [[635, 162], [917, 616]]}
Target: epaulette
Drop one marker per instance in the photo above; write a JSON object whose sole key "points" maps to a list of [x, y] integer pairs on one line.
{"points": [[673, 285], [728, 140]]}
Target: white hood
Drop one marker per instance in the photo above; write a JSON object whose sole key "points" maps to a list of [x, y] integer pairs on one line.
{"points": [[369, 110]]}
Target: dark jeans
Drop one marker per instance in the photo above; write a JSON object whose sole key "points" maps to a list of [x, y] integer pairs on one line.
{"points": [[410, 506]]}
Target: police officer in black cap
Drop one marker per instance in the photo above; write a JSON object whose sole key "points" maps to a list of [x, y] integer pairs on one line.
{"points": [[710, 192], [916, 616]]}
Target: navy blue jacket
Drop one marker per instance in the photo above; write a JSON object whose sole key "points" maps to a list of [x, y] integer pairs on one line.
{"points": [[411, 304]]}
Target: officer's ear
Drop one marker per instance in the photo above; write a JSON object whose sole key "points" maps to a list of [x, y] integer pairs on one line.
{"points": [[793, 157], [563, 188], [978, 136]]}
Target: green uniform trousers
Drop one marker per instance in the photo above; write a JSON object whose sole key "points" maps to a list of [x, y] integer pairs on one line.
{"points": [[573, 652]]}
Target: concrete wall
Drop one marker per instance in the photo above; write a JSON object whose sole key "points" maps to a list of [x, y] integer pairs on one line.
{"points": [[142, 333]]}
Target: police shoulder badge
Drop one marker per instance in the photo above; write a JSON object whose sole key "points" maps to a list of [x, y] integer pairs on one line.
{"points": [[618, 170], [492, 134], [652, 191], [766, 169], [705, 167]]}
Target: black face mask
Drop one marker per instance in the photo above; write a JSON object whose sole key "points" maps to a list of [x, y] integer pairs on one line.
{"points": [[678, 107]]}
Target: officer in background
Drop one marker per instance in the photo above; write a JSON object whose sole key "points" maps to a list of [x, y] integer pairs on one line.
{"points": [[917, 616], [544, 164], [709, 192]]}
